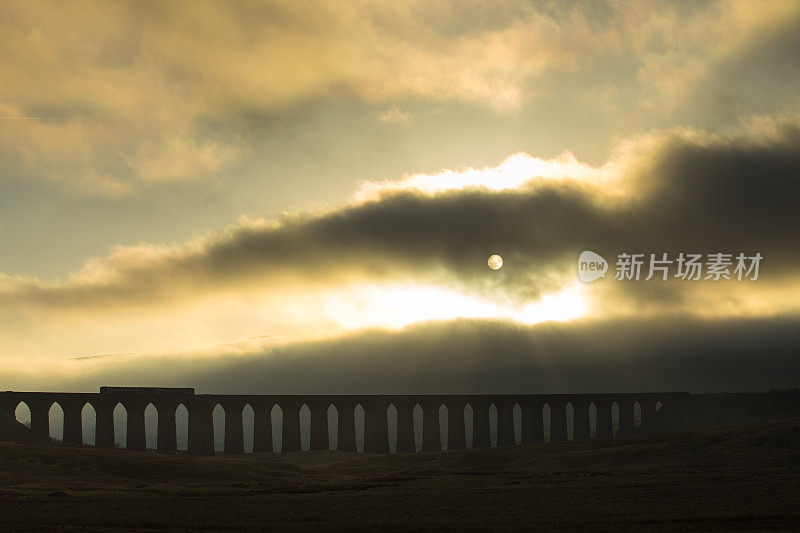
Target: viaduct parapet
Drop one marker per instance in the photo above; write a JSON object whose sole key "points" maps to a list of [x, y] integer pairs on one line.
{"points": [[656, 412]]}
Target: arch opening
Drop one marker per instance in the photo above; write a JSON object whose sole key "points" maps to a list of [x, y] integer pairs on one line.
{"points": [[305, 427], [182, 427], [88, 424], [276, 416], [637, 416], [492, 424], [615, 418], [417, 414], [359, 415], [56, 419], [120, 426], [248, 427], [592, 420], [218, 421], [23, 414], [333, 427], [570, 414], [391, 430], [516, 413], [150, 427]]}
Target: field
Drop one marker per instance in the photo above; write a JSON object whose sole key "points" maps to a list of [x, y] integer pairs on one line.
{"points": [[746, 477]]}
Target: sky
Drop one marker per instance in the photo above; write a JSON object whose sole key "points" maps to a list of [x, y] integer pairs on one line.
{"points": [[301, 197]]}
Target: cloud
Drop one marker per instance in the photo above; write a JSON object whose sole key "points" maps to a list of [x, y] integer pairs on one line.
{"points": [[517, 170], [143, 95], [317, 274], [479, 357], [396, 116]]}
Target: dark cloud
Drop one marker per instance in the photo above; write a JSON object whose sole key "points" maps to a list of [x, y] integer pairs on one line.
{"points": [[694, 192], [700, 193], [484, 357]]}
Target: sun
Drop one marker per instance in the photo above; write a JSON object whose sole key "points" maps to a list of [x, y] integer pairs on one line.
{"points": [[495, 262]]}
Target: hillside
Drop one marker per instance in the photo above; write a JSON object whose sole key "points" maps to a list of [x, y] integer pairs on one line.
{"points": [[746, 477]]}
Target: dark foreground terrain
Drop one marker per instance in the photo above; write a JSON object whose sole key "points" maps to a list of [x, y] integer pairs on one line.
{"points": [[747, 477]]}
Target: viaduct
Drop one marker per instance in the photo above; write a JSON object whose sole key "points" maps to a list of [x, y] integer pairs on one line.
{"points": [[657, 412]]}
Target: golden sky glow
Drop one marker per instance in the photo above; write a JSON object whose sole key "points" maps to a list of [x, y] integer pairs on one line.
{"points": [[205, 179]]}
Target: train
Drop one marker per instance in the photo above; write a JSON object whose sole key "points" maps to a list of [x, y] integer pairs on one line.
{"points": [[147, 390]]}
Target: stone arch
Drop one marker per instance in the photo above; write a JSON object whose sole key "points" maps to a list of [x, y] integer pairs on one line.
{"points": [[332, 413], [469, 420], [55, 416], [346, 425], [546, 419], [637, 416], [88, 424], [359, 415], [305, 427], [182, 426], [492, 424], [248, 427], [531, 431], [218, 424], [262, 426], [22, 412], [391, 427], [404, 434], [150, 426], [570, 413], [276, 418], [417, 414], [233, 430], [614, 418], [120, 426], [592, 420], [433, 424], [516, 413], [319, 430]]}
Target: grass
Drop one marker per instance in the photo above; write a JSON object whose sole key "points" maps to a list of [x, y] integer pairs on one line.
{"points": [[745, 477]]}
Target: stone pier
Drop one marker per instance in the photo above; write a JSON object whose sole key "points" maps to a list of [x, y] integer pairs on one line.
{"points": [[262, 427], [346, 434], [431, 438], [505, 423]]}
